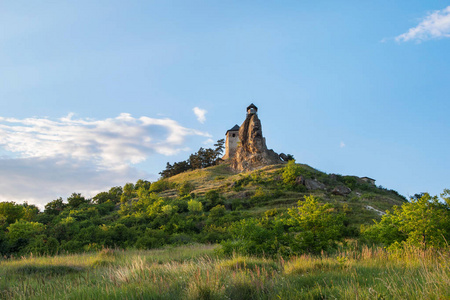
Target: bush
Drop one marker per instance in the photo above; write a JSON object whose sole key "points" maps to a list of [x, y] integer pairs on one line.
{"points": [[290, 173], [160, 186], [153, 238], [195, 206], [316, 227], [422, 223], [212, 199], [256, 237], [185, 188]]}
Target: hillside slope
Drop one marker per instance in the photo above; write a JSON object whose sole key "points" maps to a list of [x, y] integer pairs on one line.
{"points": [[263, 189]]}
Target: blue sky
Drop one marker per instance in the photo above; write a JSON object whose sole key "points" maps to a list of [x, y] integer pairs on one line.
{"points": [[94, 94]]}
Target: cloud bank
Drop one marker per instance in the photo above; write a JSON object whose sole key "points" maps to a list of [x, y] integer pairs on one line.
{"points": [[110, 143], [44, 159], [200, 113], [434, 25]]}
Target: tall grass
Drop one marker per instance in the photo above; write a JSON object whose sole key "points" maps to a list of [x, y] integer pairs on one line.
{"points": [[196, 272]]}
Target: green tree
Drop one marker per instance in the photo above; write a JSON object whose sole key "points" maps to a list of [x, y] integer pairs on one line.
{"points": [[185, 188], [316, 227], [128, 192], [160, 186], [265, 236], [216, 215], [76, 199], [219, 148], [24, 229], [55, 207], [195, 206], [30, 211], [423, 222], [290, 172], [201, 159], [142, 184], [11, 211]]}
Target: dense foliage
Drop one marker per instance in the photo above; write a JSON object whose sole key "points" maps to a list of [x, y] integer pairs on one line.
{"points": [[307, 228], [424, 223], [135, 216]]}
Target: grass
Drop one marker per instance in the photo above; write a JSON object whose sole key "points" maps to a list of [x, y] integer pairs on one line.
{"points": [[197, 272]]}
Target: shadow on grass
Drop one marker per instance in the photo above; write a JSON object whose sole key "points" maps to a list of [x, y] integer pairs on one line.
{"points": [[48, 270]]}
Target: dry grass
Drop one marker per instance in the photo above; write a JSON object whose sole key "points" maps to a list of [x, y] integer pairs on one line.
{"points": [[195, 272]]}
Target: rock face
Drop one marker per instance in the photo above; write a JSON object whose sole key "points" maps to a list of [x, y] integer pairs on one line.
{"points": [[252, 152], [313, 184], [341, 190]]}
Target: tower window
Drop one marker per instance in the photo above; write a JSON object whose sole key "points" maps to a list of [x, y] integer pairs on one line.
{"points": [[234, 134]]}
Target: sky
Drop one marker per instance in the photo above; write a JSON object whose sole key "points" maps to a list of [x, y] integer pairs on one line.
{"points": [[95, 94]]}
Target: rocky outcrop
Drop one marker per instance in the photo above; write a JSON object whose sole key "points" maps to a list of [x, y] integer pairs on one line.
{"points": [[341, 190], [313, 184], [252, 152]]}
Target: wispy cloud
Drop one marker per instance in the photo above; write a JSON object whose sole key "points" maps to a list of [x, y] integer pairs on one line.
{"points": [[110, 143], [200, 113], [50, 158], [434, 25], [342, 145]]}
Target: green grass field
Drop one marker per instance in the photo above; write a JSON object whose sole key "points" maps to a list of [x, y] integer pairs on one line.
{"points": [[200, 272]]}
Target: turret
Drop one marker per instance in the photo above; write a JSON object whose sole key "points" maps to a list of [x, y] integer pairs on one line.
{"points": [[252, 109]]}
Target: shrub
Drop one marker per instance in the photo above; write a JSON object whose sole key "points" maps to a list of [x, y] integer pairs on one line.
{"points": [[422, 223], [153, 238], [185, 188], [160, 186], [195, 206], [317, 227], [290, 173], [212, 199]]}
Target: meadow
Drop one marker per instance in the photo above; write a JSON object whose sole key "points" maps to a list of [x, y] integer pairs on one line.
{"points": [[203, 272]]}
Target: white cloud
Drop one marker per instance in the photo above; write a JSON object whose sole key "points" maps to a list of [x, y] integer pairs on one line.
{"points": [[200, 113], [342, 145], [44, 159], [434, 25], [111, 143]]}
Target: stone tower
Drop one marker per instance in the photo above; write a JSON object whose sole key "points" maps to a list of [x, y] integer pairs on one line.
{"points": [[231, 142], [251, 152]]}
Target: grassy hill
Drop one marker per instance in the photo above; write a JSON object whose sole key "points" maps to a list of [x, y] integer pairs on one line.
{"points": [[261, 190]]}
